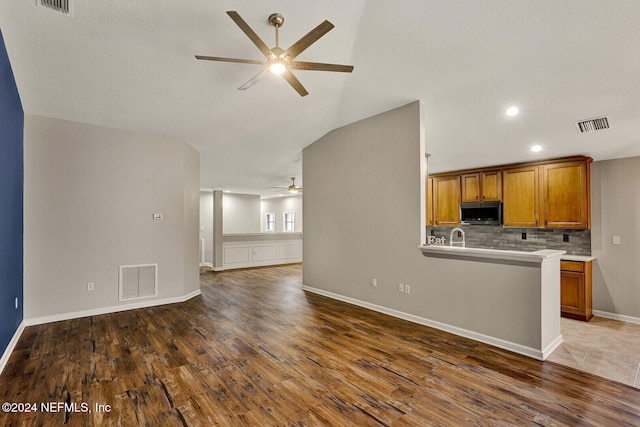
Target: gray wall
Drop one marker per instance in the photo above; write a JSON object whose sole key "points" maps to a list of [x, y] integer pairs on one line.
{"points": [[373, 231], [206, 224], [615, 211], [90, 193], [240, 213]]}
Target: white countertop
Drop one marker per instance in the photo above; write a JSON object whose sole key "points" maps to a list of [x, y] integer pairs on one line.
{"points": [[497, 254], [582, 258]]}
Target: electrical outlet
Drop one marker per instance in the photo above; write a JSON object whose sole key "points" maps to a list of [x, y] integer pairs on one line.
{"points": [[374, 282], [616, 240], [400, 287], [565, 237], [90, 286], [524, 236], [407, 289]]}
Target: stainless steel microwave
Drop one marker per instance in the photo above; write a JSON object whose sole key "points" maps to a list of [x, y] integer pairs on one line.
{"points": [[481, 213]]}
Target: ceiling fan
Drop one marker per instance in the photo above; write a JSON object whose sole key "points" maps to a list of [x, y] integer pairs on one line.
{"points": [[293, 188], [281, 61]]}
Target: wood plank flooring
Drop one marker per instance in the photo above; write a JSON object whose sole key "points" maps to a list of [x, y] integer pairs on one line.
{"points": [[256, 350]]}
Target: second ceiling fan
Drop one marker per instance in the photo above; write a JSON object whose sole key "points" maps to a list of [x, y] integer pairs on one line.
{"points": [[281, 61]]}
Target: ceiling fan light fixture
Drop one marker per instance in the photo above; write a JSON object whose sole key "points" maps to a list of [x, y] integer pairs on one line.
{"points": [[277, 67]]}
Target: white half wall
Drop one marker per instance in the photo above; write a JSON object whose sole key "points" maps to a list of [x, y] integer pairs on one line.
{"points": [[90, 196]]}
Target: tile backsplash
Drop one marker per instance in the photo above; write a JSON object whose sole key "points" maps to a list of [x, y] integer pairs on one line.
{"points": [[498, 237]]}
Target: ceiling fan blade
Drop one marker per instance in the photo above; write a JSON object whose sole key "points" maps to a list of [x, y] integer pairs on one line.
{"points": [[295, 83], [319, 66], [250, 33], [254, 80], [311, 37], [242, 61]]}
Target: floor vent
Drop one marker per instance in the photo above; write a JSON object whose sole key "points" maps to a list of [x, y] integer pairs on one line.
{"points": [[138, 281], [60, 6], [592, 125]]}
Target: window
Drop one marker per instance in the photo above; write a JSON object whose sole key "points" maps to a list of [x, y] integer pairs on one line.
{"points": [[289, 221], [271, 222]]}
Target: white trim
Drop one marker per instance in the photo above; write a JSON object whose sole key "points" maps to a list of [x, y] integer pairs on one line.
{"points": [[496, 342], [12, 344], [546, 352], [218, 268], [206, 264], [616, 316], [107, 310]]}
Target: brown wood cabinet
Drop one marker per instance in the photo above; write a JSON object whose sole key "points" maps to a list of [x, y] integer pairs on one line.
{"points": [[521, 197], [470, 187], [566, 195], [491, 185], [549, 194], [576, 290], [429, 202], [446, 200], [481, 186]]}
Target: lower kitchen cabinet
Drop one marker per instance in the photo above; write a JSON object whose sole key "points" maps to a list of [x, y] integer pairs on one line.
{"points": [[575, 290]]}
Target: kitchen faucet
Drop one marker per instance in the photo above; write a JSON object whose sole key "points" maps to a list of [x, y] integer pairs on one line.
{"points": [[451, 242]]}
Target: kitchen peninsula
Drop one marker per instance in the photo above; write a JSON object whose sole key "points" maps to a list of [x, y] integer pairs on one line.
{"points": [[513, 297]]}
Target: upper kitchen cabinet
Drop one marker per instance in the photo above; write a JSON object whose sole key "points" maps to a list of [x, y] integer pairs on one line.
{"points": [[491, 186], [521, 197], [446, 200], [470, 187], [481, 186], [566, 194], [429, 202]]}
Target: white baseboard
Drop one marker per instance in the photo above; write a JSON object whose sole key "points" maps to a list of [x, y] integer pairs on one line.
{"points": [[496, 342], [206, 264], [106, 310], [12, 344], [551, 347], [616, 316]]}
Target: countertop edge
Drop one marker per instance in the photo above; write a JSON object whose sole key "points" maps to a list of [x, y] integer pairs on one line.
{"points": [[540, 256]]}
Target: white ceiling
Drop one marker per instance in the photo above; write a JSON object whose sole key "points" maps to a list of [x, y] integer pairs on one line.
{"points": [[130, 65]]}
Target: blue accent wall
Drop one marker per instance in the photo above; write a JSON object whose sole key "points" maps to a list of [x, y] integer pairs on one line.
{"points": [[11, 201]]}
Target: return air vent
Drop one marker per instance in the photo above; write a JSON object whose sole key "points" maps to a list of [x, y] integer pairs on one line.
{"points": [[138, 281], [60, 6], [592, 125]]}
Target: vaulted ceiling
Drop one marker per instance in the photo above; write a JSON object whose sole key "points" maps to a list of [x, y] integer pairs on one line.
{"points": [[130, 65]]}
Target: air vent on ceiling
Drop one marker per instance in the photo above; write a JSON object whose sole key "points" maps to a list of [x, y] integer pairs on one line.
{"points": [[60, 6], [592, 125]]}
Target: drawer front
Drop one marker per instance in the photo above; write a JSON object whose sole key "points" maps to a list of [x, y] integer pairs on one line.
{"points": [[572, 266]]}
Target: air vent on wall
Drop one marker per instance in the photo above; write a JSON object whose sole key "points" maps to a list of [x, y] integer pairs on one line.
{"points": [[138, 281], [60, 6], [592, 125]]}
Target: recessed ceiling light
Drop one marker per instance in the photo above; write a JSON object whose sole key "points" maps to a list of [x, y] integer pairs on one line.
{"points": [[536, 148], [511, 111]]}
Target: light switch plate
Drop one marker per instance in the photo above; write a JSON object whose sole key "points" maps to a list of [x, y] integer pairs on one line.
{"points": [[616, 240]]}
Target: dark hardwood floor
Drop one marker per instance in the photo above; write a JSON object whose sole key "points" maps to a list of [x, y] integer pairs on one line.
{"points": [[254, 349]]}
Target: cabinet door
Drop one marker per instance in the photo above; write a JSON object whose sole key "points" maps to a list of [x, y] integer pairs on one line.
{"points": [[572, 298], [429, 202], [491, 185], [566, 195], [521, 197], [446, 196], [470, 187]]}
